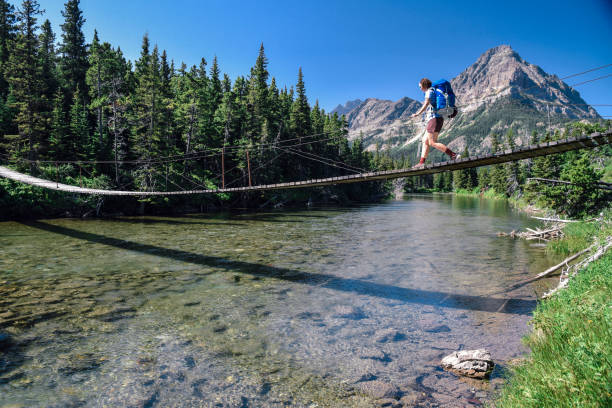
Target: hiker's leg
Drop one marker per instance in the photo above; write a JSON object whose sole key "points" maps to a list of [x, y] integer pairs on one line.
{"points": [[434, 126], [425, 150], [441, 147], [433, 141]]}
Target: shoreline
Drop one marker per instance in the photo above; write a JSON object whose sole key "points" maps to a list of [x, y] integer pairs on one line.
{"points": [[556, 371]]}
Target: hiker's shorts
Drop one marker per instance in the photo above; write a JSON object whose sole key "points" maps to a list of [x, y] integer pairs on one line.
{"points": [[435, 125]]}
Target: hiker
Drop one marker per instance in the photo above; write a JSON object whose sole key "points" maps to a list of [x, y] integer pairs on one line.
{"points": [[434, 123]]}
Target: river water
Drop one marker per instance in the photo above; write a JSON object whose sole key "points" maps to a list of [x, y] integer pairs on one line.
{"points": [[326, 307]]}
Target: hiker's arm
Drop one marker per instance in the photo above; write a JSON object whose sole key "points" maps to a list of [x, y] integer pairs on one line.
{"points": [[425, 105]]}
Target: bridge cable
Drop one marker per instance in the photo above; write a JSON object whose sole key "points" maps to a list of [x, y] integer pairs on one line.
{"points": [[317, 160], [347, 166], [254, 170]]}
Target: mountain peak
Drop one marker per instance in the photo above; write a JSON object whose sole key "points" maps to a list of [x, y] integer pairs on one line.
{"points": [[501, 72], [499, 55], [346, 108], [500, 49]]}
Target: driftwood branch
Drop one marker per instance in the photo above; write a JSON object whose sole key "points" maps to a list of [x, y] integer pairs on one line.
{"points": [[553, 219], [573, 270], [551, 233], [549, 270]]}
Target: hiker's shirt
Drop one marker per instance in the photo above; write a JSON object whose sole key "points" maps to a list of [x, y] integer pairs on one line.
{"points": [[430, 113]]}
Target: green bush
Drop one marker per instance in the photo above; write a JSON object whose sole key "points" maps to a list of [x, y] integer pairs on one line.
{"points": [[571, 343]]}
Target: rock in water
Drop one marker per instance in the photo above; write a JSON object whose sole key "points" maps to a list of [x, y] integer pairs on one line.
{"points": [[5, 341], [379, 389], [469, 363]]}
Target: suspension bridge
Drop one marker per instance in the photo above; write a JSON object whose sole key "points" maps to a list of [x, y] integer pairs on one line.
{"points": [[542, 149]]}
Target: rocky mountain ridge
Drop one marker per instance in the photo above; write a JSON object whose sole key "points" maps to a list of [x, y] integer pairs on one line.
{"points": [[347, 107], [498, 92]]}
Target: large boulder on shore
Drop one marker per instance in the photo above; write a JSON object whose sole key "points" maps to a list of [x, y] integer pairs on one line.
{"points": [[469, 363]]}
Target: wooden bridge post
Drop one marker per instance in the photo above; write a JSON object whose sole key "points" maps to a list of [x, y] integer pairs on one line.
{"points": [[249, 167], [80, 176], [56, 175]]}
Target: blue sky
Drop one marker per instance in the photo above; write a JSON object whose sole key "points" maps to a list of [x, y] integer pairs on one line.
{"points": [[359, 49]]}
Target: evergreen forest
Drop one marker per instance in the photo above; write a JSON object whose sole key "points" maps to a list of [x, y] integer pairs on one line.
{"points": [[82, 114]]}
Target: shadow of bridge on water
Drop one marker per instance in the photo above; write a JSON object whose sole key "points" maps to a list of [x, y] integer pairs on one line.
{"points": [[515, 306]]}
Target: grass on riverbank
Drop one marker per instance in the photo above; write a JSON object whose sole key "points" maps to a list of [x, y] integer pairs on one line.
{"points": [[571, 343]]}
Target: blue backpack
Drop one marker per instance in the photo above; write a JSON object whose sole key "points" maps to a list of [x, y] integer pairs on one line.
{"points": [[443, 99]]}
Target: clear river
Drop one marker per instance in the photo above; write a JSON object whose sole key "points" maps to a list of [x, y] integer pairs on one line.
{"points": [[333, 307]]}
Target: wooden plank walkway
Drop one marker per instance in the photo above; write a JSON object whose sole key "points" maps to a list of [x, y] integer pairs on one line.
{"points": [[543, 149]]}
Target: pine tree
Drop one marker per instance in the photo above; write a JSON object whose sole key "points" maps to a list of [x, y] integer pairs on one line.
{"points": [[95, 83], [83, 146], [497, 174], [216, 87], [201, 88], [300, 110], [24, 75], [166, 123], [512, 168], [438, 182], [582, 197], [7, 36], [118, 117], [148, 141], [274, 119], [548, 167], [462, 179], [48, 60], [260, 84], [527, 164], [59, 138], [484, 180], [73, 62], [447, 181]]}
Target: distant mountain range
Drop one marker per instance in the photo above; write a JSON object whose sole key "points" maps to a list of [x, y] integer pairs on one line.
{"points": [[499, 91]]}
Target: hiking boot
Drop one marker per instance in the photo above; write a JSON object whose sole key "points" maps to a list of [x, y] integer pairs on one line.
{"points": [[455, 156]]}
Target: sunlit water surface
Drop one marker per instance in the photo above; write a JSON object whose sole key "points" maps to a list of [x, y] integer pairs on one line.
{"points": [[325, 307]]}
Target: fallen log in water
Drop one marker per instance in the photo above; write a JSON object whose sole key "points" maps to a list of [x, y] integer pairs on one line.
{"points": [[553, 219], [574, 269], [554, 232], [549, 271]]}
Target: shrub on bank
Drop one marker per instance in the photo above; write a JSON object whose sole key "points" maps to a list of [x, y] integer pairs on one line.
{"points": [[571, 344]]}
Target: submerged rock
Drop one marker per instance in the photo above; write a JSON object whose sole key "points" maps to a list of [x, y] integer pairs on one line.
{"points": [[439, 328], [348, 312], [388, 335], [5, 341], [469, 363], [379, 389]]}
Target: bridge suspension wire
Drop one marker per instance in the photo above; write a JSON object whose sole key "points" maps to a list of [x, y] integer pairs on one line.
{"points": [[255, 169], [324, 160], [586, 72], [205, 153], [592, 80], [560, 146]]}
